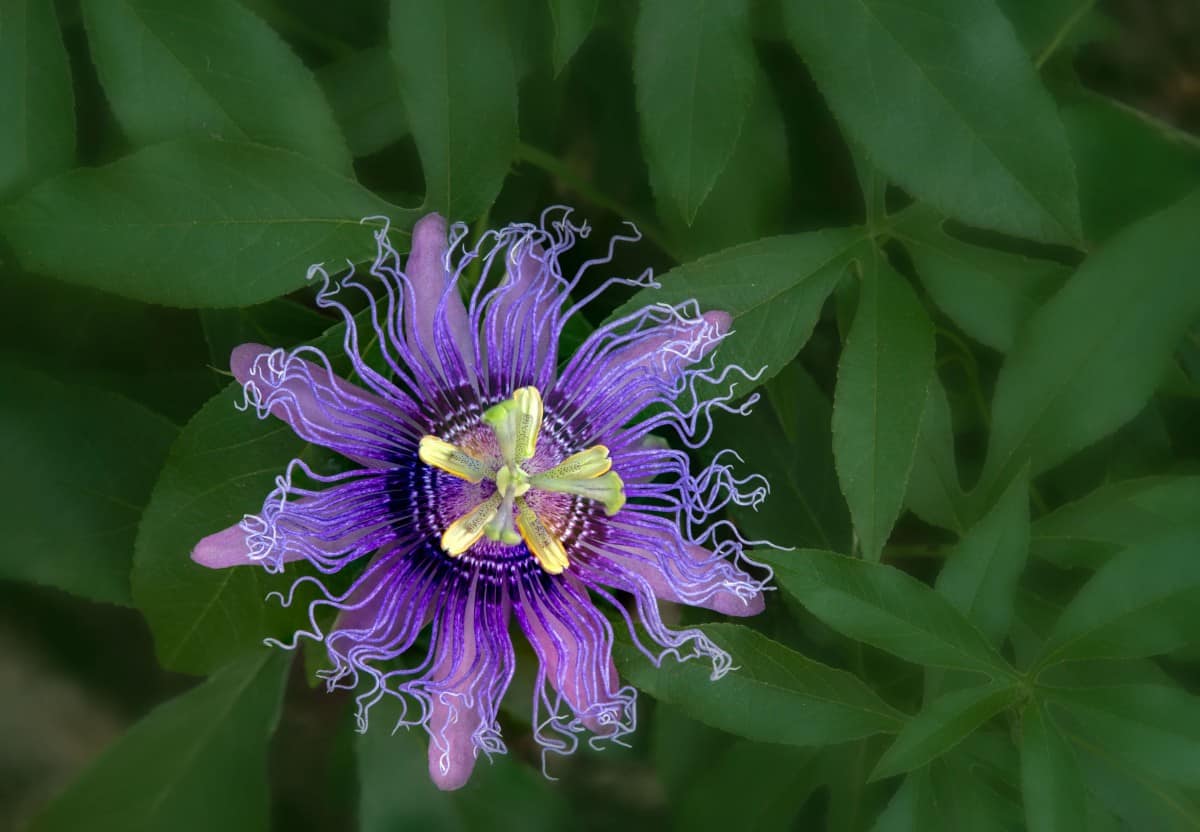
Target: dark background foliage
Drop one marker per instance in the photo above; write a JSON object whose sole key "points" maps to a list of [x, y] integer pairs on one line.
{"points": [[961, 235]]}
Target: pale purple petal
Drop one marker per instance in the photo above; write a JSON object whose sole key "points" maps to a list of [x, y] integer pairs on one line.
{"points": [[430, 289]]}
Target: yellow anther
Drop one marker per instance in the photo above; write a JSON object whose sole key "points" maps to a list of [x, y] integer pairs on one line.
{"points": [[517, 423], [606, 487], [451, 459], [543, 543], [464, 532], [581, 466]]}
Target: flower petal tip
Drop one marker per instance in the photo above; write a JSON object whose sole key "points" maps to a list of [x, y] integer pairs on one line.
{"points": [[451, 770], [224, 549], [241, 360], [723, 321], [728, 603]]}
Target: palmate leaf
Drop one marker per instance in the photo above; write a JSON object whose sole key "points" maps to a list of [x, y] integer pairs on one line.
{"points": [[988, 293], [156, 60], [773, 694], [695, 72], [195, 222], [1153, 727], [750, 196], [198, 762], [1093, 354], [934, 492], [883, 380], [977, 136], [1117, 515], [459, 89], [1050, 780], [1140, 603], [942, 724], [1129, 164], [981, 572], [887, 608]]}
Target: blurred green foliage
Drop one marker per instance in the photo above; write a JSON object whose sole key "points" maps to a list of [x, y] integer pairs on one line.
{"points": [[961, 236]]}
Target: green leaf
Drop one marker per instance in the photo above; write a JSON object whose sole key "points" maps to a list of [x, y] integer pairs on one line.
{"points": [[194, 223], [934, 492], [695, 70], [981, 572], [786, 438], [773, 694], [1129, 165], [221, 467], [281, 323], [751, 195], [1155, 728], [396, 793], [973, 110], [1092, 355], [884, 607], [1140, 603], [37, 132], [87, 460], [198, 762], [773, 288], [573, 21], [1046, 26], [165, 68], [459, 89], [883, 382], [943, 724], [989, 294], [1139, 802], [751, 786], [950, 794], [1117, 515], [364, 92], [1050, 778]]}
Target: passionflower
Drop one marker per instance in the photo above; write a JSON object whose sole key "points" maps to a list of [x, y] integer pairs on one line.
{"points": [[493, 482]]}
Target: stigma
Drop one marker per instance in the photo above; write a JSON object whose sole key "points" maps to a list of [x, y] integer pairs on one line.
{"points": [[506, 516]]}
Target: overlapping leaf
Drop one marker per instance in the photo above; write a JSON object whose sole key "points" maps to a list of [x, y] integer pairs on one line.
{"points": [[1093, 354], [156, 59], [695, 73], [774, 694], [198, 762], [883, 378], [195, 222], [459, 90], [87, 460], [945, 100]]}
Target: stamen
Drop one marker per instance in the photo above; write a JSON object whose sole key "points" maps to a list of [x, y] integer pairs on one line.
{"points": [[606, 487], [516, 423], [452, 459], [464, 532], [584, 465], [544, 545]]}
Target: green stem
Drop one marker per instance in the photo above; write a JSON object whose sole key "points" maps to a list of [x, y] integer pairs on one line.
{"points": [[1065, 29]]}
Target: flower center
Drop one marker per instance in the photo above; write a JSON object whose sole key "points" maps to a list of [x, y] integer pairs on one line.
{"points": [[516, 423]]}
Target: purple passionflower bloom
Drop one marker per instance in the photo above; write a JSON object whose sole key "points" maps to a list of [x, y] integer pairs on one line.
{"points": [[492, 484]]}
